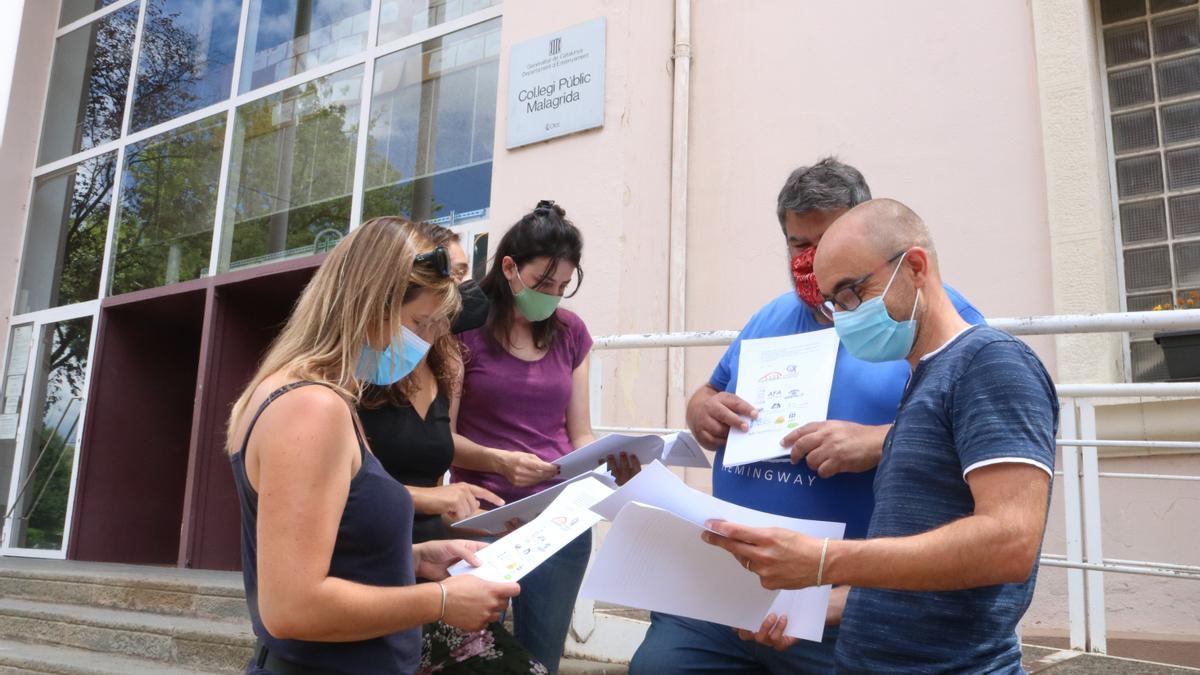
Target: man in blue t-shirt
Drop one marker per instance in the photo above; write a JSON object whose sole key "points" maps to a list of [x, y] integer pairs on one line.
{"points": [[963, 486], [831, 468]]}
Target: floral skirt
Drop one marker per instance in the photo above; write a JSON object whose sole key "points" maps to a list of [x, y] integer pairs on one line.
{"points": [[449, 651]]}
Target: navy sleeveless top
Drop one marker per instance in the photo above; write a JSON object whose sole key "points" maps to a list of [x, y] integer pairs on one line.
{"points": [[373, 547]]}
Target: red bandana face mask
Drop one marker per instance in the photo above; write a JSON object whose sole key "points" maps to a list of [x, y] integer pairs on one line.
{"points": [[806, 281]]}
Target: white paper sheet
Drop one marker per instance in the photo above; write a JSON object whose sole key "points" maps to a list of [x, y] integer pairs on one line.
{"points": [[8, 426], [787, 379], [701, 572], [647, 448], [657, 486], [653, 559], [528, 508], [681, 449], [18, 350], [515, 555]]}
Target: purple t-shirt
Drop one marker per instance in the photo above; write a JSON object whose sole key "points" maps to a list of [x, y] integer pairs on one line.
{"points": [[512, 404]]}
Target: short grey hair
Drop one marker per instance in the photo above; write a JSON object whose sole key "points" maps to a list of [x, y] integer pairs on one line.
{"points": [[828, 184]]}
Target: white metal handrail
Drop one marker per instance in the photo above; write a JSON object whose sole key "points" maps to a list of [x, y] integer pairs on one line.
{"points": [[1080, 473]]}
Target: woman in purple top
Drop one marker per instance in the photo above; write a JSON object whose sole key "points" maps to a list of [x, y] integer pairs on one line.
{"points": [[524, 403]]}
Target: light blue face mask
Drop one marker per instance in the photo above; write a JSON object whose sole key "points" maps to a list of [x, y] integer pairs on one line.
{"points": [[395, 362], [871, 334]]}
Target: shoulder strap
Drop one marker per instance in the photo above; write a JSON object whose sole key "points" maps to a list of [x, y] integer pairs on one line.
{"points": [[362, 444]]}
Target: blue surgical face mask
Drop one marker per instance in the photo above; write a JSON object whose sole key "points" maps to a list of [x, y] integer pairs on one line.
{"points": [[871, 334], [392, 364]]}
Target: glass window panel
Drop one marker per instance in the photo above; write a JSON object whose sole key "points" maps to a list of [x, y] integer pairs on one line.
{"points": [[1187, 264], [1143, 221], [1181, 122], [89, 79], [64, 243], [15, 369], [432, 126], [398, 18], [1147, 303], [51, 433], [1130, 87], [1126, 44], [186, 59], [1176, 33], [1185, 215], [167, 207], [74, 10], [1164, 5], [1119, 10], [1183, 168], [1139, 176], [1134, 131], [1149, 365], [479, 257], [285, 37], [1147, 269], [1179, 77], [292, 171]]}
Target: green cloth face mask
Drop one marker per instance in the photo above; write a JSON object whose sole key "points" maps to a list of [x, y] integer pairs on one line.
{"points": [[534, 305]]}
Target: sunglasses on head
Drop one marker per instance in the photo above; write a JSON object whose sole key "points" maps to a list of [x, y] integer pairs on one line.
{"points": [[438, 259]]}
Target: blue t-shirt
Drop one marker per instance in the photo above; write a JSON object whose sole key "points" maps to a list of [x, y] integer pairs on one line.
{"points": [[984, 398], [863, 392]]}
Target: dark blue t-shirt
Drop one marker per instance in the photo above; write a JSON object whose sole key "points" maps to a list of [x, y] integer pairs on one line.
{"points": [[863, 392], [984, 398]]}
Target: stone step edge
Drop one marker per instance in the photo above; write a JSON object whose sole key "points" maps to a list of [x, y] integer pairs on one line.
{"points": [[200, 630], [45, 658], [127, 581]]}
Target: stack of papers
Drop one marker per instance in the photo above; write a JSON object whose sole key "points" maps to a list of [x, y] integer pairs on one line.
{"points": [[657, 523], [678, 449], [530, 507], [568, 516]]}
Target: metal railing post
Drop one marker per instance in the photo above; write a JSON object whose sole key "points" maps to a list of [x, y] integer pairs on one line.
{"points": [[1073, 509], [1092, 535]]}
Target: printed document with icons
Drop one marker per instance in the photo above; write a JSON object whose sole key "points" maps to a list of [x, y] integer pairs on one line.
{"points": [[515, 555], [788, 380], [657, 523]]}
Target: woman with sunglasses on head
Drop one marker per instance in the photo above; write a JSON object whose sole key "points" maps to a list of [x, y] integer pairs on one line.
{"points": [[524, 403], [327, 555], [407, 426]]}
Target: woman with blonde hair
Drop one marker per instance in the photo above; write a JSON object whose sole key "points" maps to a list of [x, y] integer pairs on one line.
{"points": [[327, 555]]}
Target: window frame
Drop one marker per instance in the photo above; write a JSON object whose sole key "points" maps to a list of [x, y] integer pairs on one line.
{"points": [[227, 107], [1160, 149]]}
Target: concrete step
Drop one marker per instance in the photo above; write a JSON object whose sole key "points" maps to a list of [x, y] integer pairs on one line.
{"points": [[162, 590], [20, 657], [177, 641]]}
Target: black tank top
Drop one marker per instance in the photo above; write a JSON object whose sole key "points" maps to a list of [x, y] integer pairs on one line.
{"points": [[373, 546], [414, 451]]}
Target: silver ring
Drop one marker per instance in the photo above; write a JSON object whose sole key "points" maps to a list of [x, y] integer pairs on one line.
{"points": [[748, 565]]}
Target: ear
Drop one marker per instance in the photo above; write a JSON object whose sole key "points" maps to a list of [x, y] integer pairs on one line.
{"points": [[918, 261], [509, 267]]}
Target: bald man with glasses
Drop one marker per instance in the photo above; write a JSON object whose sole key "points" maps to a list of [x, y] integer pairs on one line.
{"points": [[831, 469], [961, 494]]}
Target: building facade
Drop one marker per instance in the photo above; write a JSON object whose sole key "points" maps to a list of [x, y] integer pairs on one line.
{"points": [[173, 170]]}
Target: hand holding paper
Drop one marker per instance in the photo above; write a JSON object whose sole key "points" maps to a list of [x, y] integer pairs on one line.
{"points": [[781, 558]]}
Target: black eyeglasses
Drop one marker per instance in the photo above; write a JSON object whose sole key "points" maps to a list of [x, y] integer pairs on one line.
{"points": [[847, 298], [438, 258]]}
